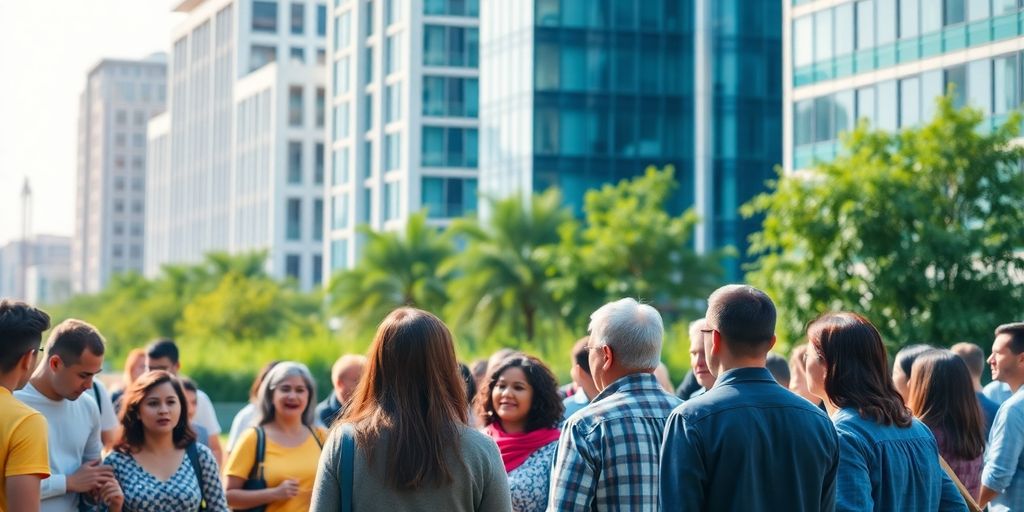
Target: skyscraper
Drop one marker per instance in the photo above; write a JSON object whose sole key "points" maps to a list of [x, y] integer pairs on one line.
{"points": [[887, 60], [119, 98], [402, 116], [241, 145], [579, 93]]}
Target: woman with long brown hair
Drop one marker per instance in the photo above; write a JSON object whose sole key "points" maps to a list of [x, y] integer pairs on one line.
{"points": [[942, 397], [413, 448], [888, 460], [157, 461]]}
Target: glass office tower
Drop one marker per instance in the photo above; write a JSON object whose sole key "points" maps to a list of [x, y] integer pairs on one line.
{"points": [[579, 93], [887, 60]]}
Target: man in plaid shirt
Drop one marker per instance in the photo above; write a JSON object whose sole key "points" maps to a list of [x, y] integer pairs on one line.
{"points": [[608, 453]]}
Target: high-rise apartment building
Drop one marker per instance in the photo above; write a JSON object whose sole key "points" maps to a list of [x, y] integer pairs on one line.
{"points": [[119, 98], [241, 146], [579, 93], [37, 270], [887, 60], [402, 126]]}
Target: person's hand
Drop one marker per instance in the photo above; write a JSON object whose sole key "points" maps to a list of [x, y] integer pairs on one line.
{"points": [[90, 477], [288, 489], [112, 496]]}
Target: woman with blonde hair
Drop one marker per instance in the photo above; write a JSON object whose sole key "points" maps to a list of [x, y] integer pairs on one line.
{"points": [[408, 445]]}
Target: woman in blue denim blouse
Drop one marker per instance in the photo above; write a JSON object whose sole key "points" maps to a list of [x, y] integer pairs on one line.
{"points": [[888, 460]]}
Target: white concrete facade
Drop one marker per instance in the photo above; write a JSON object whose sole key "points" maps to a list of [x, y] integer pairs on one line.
{"points": [[119, 98]]}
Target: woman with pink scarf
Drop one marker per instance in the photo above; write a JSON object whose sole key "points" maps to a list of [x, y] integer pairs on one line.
{"points": [[520, 409]]}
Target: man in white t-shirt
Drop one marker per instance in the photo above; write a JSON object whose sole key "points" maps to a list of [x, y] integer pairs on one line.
{"points": [[74, 355], [162, 354]]}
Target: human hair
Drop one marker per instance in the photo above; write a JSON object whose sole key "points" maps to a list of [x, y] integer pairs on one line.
{"points": [[779, 368], [581, 355], [130, 361], [254, 388], [344, 363], [906, 356], [693, 330], [133, 433], [744, 316], [857, 368], [161, 348], [1016, 332], [277, 374], [70, 338], [411, 393], [21, 330], [467, 377], [633, 330], [942, 396], [546, 408], [973, 356], [188, 384]]}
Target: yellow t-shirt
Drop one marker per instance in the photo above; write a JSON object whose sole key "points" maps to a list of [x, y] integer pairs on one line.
{"points": [[23, 448], [279, 464]]}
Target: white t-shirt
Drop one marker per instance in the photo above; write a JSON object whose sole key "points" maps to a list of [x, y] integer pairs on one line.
{"points": [[73, 430], [108, 416], [246, 418], [205, 416]]}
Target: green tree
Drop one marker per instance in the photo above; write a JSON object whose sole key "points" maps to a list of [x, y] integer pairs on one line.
{"points": [[920, 230], [239, 308], [396, 269], [503, 275]]}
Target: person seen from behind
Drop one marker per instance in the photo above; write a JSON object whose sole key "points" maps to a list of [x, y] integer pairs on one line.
{"points": [[413, 449], [345, 375], [974, 357], [581, 379]]}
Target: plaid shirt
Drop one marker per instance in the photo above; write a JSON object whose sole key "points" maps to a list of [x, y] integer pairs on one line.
{"points": [[608, 454]]}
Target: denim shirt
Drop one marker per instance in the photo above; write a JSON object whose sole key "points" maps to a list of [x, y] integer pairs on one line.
{"points": [[748, 444], [885, 467], [1004, 463]]}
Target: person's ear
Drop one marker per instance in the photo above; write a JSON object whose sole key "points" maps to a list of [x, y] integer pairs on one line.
{"points": [[609, 357], [54, 362], [716, 342], [772, 344]]}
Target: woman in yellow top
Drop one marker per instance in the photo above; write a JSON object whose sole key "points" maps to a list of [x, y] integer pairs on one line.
{"points": [[286, 400]]}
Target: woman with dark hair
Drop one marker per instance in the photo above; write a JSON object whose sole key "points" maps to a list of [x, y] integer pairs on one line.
{"points": [[520, 409], [157, 462], [248, 416], [413, 449], [290, 445], [942, 397], [902, 367], [888, 460]]}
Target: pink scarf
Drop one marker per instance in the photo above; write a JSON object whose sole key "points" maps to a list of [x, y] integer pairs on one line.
{"points": [[516, 448]]}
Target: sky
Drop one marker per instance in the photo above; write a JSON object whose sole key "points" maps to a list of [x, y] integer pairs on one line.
{"points": [[46, 50]]}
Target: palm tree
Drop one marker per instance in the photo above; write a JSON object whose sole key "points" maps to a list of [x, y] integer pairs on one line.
{"points": [[396, 269], [501, 279]]}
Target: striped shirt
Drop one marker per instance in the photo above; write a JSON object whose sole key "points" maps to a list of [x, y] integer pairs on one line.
{"points": [[608, 453]]}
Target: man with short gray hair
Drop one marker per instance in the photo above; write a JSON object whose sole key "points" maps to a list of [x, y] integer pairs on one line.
{"points": [[608, 452]]}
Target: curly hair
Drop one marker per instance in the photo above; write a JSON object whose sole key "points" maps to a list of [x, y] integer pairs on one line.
{"points": [[546, 407], [133, 434]]}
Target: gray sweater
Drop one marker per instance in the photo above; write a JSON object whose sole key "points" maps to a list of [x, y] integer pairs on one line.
{"points": [[479, 481]]}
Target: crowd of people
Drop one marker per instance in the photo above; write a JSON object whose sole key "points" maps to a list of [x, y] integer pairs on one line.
{"points": [[407, 427]]}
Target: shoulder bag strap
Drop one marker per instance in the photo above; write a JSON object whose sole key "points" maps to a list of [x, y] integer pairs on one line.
{"points": [[316, 437], [256, 473], [348, 449], [99, 402], [193, 459]]}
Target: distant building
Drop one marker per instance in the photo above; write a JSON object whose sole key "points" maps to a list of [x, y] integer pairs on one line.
{"points": [[46, 268], [241, 146], [119, 98]]}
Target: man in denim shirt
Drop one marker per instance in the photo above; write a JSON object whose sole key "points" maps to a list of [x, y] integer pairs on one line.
{"points": [[747, 444], [1002, 481]]}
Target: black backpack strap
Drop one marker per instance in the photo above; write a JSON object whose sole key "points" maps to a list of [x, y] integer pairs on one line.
{"points": [[316, 437], [348, 454], [256, 473], [99, 402], [193, 459]]}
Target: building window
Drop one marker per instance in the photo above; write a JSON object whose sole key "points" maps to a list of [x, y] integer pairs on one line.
{"points": [[369, 18], [261, 55], [119, 162], [119, 183], [138, 184], [339, 219], [321, 56], [318, 219], [392, 11], [452, 7], [369, 63], [120, 118], [339, 254], [295, 105], [321, 20], [368, 158], [118, 250], [120, 140], [138, 163], [136, 229], [264, 16], [293, 219], [340, 170], [294, 162], [139, 117], [449, 197], [293, 266], [138, 140], [392, 102], [341, 76], [392, 54], [135, 252], [449, 147], [118, 206], [391, 201], [341, 121], [318, 269], [136, 206], [343, 30], [118, 229], [450, 46], [392, 151], [318, 167], [319, 114], [368, 102], [450, 96], [298, 18], [298, 55]]}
